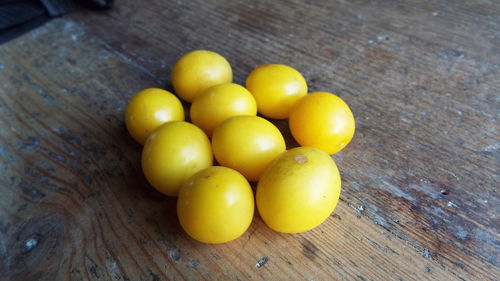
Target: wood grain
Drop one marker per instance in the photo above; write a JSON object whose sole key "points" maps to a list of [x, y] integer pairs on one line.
{"points": [[419, 180]]}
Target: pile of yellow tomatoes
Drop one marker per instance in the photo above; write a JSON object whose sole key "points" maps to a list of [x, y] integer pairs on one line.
{"points": [[297, 189]]}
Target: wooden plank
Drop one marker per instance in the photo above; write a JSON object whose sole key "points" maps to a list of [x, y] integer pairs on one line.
{"points": [[419, 199]]}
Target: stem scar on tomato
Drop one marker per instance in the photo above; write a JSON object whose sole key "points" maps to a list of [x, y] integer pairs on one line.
{"points": [[300, 158]]}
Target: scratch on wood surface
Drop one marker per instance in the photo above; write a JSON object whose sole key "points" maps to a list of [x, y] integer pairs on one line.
{"points": [[309, 250], [133, 63], [261, 262], [248, 238], [383, 249], [174, 254], [194, 263]]}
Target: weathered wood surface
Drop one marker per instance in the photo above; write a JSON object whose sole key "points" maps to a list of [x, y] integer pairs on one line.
{"points": [[419, 180]]}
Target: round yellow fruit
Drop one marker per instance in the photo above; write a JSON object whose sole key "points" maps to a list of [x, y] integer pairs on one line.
{"points": [[247, 144], [219, 103], [149, 109], [173, 153], [198, 70], [322, 120], [276, 88], [215, 205], [298, 190]]}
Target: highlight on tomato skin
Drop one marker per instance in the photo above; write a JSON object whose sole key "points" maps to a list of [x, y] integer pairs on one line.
{"points": [[298, 190], [149, 109], [276, 88], [215, 205], [322, 120], [198, 70]]}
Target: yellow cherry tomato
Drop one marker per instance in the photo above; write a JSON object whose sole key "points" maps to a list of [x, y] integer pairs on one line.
{"points": [[198, 70], [149, 109], [247, 144], [219, 103], [215, 205], [173, 153], [298, 190], [322, 120], [276, 88]]}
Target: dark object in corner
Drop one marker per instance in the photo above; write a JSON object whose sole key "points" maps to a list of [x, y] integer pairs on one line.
{"points": [[20, 16], [97, 4]]}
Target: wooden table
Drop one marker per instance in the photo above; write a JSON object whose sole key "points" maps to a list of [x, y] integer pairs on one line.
{"points": [[420, 197]]}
